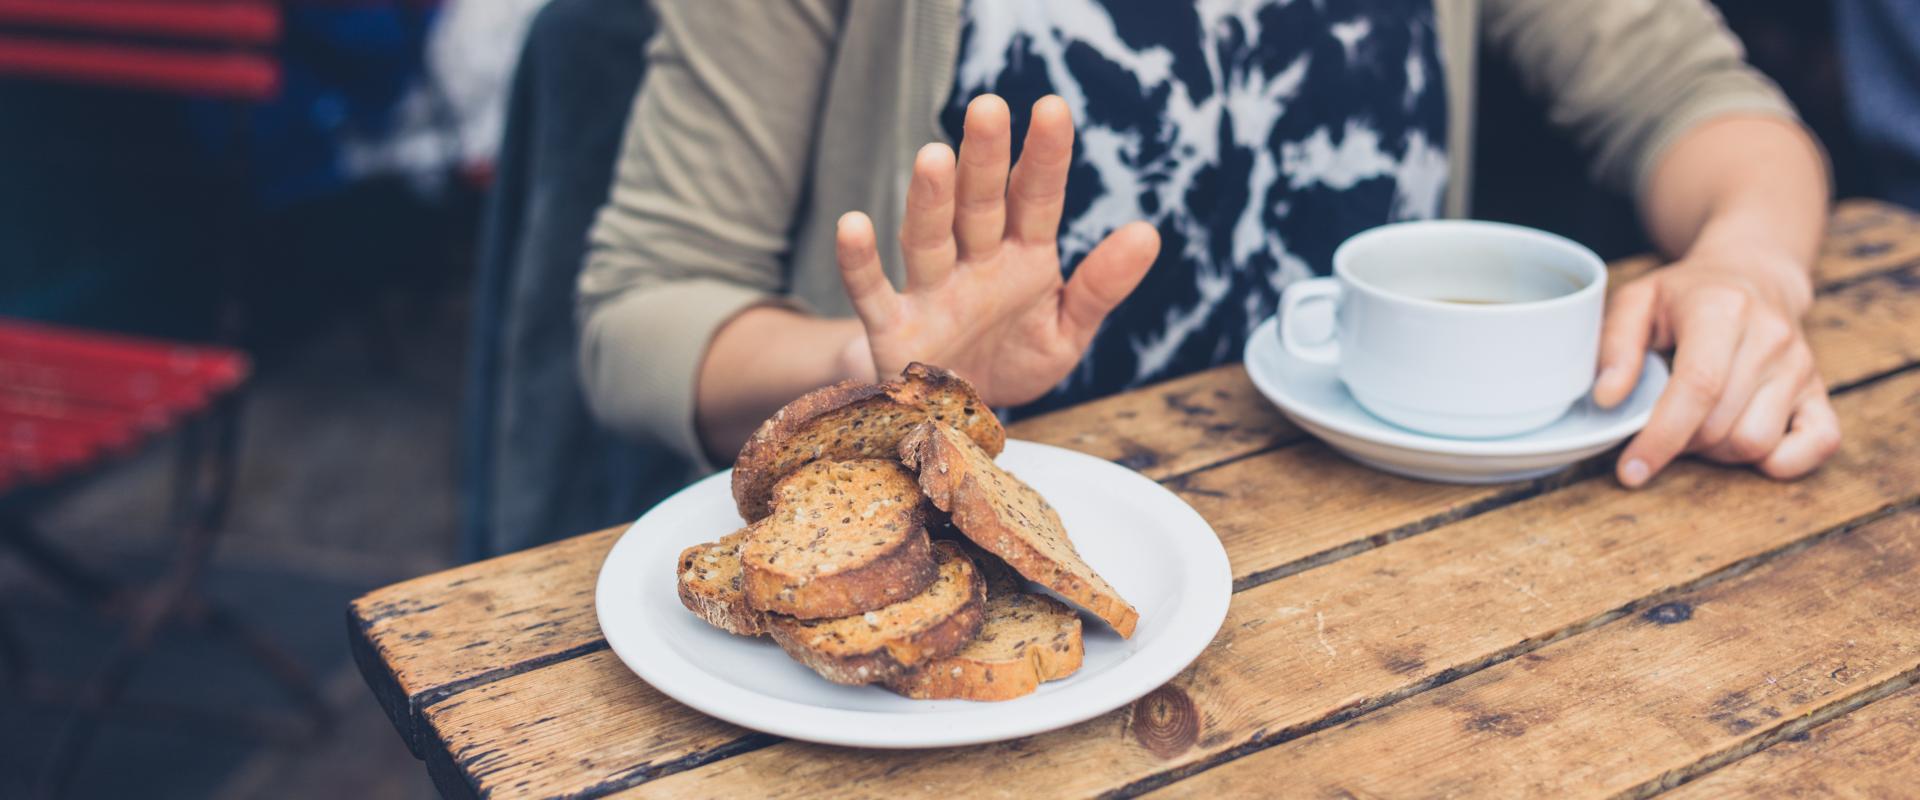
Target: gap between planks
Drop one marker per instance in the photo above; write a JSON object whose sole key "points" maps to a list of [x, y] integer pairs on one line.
{"points": [[1871, 751], [1383, 691], [1257, 578], [1736, 754], [1848, 271], [1694, 676], [1510, 501], [1443, 678]]}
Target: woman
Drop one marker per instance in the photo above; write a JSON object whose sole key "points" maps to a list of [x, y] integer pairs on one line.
{"points": [[1224, 149]]}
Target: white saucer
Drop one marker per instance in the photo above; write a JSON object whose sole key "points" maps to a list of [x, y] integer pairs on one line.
{"points": [[1312, 396]]}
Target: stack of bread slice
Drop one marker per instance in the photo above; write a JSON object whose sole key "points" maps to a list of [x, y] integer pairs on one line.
{"points": [[839, 490]]}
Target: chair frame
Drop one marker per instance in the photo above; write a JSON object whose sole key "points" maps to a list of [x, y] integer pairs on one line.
{"points": [[231, 59]]}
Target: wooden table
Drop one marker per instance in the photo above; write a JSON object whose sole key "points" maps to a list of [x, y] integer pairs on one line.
{"points": [[1717, 631]]}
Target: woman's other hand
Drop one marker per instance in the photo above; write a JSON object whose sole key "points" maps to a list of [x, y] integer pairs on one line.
{"points": [[1744, 389]]}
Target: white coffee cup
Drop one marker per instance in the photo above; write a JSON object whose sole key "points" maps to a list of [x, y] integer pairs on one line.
{"points": [[1456, 328]]}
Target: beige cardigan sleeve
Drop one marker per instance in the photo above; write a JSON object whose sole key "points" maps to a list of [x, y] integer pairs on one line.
{"points": [[696, 227], [1628, 77]]}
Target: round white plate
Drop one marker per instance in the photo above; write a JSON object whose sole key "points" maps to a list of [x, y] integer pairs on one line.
{"points": [[1154, 548], [1312, 396]]}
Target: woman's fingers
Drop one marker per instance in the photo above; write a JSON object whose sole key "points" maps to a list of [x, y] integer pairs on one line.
{"points": [[926, 235], [1766, 355], [873, 297], [1708, 332], [1037, 189], [1104, 278], [1762, 422], [1812, 439], [1623, 342], [980, 217]]}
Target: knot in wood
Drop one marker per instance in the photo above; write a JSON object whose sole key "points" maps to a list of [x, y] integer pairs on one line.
{"points": [[1165, 721], [1668, 613]]}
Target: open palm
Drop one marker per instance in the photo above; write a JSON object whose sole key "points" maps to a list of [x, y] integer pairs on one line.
{"points": [[984, 296]]}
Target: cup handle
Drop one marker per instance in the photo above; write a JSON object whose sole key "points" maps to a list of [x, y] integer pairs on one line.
{"points": [[1324, 349]]}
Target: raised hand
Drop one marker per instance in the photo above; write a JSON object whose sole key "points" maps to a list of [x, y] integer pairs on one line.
{"points": [[984, 296]]}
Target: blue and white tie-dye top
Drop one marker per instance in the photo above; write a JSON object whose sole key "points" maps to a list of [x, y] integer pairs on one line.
{"points": [[1255, 134]]}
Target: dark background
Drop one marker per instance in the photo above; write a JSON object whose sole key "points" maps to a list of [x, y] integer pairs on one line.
{"points": [[104, 223], [1526, 172]]}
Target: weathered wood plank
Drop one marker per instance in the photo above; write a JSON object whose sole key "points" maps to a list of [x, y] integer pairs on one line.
{"points": [[1315, 648], [500, 731], [1169, 428], [1699, 679], [412, 657], [419, 641], [1872, 752], [1344, 508], [1866, 328], [1868, 236]]}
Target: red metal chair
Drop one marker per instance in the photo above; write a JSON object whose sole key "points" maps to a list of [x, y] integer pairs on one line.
{"points": [[218, 48], [73, 401]]}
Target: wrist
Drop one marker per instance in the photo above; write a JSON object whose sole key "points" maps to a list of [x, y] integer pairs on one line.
{"points": [[1762, 245], [1780, 270], [853, 358]]}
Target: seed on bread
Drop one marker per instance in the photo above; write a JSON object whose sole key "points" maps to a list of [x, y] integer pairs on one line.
{"points": [[804, 561], [884, 643], [710, 586], [1024, 640], [1006, 517], [853, 420]]}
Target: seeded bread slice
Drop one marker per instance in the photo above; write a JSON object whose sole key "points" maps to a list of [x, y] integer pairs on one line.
{"points": [[1007, 518], [710, 586], [852, 420], [845, 537], [1025, 639], [882, 644]]}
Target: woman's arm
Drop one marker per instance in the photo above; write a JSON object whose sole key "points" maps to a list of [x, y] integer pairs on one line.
{"points": [[1740, 180], [763, 358], [1659, 94], [695, 232], [1741, 202]]}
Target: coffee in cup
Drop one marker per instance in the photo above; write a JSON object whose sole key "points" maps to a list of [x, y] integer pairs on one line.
{"points": [[1456, 328]]}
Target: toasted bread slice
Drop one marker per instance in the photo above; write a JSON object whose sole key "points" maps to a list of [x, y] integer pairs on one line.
{"points": [[1006, 517], [710, 586], [845, 537], [1026, 639], [882, 644], [852, 420]]}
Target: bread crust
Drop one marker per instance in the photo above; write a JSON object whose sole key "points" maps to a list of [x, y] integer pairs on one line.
{"points": [[901, 569], [898, 574], [886, 658], [765, 459], [753, 474], [719, 601], [965, 676], [927, 382], [951, 483]]}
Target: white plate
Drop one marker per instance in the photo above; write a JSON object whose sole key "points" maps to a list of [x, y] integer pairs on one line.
{"points": [[1312, 396], [1150, 545]]}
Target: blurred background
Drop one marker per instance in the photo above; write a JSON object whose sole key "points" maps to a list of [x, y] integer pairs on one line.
{"points": [[365, 222]]}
